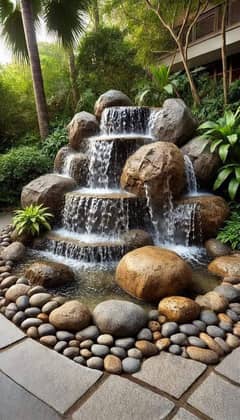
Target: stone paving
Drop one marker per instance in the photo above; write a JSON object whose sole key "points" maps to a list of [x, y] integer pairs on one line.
{"points": [[38, 383]]}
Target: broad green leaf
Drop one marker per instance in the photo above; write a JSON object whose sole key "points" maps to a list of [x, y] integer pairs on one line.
{"points": [[215, 144], [223, 151], [207, 124], [169, 89], [233, 138], [233, 188], [222, 176], [230, 119], [237, 173]]}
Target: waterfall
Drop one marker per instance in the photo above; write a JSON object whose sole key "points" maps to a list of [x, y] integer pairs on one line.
{"points": [[124, 120], [67, 165], [100, 153], [190, 176]]}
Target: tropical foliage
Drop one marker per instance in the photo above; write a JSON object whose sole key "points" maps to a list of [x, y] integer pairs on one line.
{"points": [[32, 220], [230, 233]]}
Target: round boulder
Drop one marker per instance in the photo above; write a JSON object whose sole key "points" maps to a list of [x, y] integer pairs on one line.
{"points": [[228, 265], [216, 248], [179, 309], [136, 238], [211, 211], [83, 125], [48, 274], [13, 252], [159, 166], [72, 315], [77, 164], [119, 318], [150, 273], [109, 99]]}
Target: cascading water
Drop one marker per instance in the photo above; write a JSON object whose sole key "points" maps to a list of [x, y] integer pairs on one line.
{"points": [[100, 154], [125, 120], [190, 176]]}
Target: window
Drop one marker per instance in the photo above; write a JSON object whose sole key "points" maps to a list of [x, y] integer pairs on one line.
{"points": [[205, 25], [234, 12]]}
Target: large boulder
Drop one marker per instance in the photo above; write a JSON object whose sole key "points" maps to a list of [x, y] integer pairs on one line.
{"points": [[72, 315], [69, 162], [82, 126], [119, 318], [173, 122], [228, 265], [211, 211], [48, 190], [109, 99], [216, 248], [48, 274], [136, 238], [205, 163], [13, 252], [179, 309], [158, 165], [150, 273]]}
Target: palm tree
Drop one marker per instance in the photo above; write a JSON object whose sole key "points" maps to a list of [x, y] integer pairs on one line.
{"points": [[62, 17]]}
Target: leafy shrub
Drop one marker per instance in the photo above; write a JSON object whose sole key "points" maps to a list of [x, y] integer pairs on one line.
{"points": [[230, 233], [32, 220], [57, 139], [18, 167]]}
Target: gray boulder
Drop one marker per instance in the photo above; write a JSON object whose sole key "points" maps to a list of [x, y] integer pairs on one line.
{"points": [[119, 318], [136, 238], [83, 125], [109, 99], [77, 165], [13, 252], [216, 248], [48, 274]]}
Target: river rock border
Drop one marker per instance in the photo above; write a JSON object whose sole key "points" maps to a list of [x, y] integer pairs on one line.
{"points": [[207, 339]]}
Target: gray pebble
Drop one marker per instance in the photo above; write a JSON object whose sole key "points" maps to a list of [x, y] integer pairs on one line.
{"points": [[118, 351], [8, 281], [22, 302], [189, 329], [46, 329], [135, 353], [145, 334], [86, 344], [49, 307], [153, 315], [105, 339], [200, 324], [89, 332], [235, 307], [209, 317], [60, 346], [169, 328], [131, 365], [197, 342], [71, 352], [36, 289], [225, 326], [175, 349], [99, 350], [179, 338], [22, 280], [64, 336], [95, 363], [31, 322], [19, 317], [125, 343], [215, 331], [228, 291], [226, 348], [80, 360], [39, 299], [233, 315], [31, 312]]}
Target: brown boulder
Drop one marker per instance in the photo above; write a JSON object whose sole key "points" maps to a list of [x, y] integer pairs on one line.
{"points": [[136, 238], [212, 300], [150, 273], [109, 99], [13, 252], [179, 309], [228, 265], [48, 274], [216, 248], [160, 165], [70, 163], [72, 315], [83, 125], [48, 190], [211, 211]]}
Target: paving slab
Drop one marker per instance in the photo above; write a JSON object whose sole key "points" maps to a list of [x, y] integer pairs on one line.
{"points": [[17, 404], [51, 377], [118, 399], [169, 373], [9, 333], [183, 414], [217, 399], [230, 366]]}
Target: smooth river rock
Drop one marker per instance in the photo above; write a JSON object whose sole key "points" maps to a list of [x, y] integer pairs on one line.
{"points": [[72, 315], [202, 355], [228, 265], [179, 309], [49, 274]]}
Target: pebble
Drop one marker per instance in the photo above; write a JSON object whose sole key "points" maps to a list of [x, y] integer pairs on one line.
{"points": [[22, 280], [99, 350], [169, 328], [8, 282], [43, 317], [157, 335], [235, 307], [147, 348], [46, 329], [224, 318], [60, 346], [22, 302], [231, 280], [59, 299], [225, 326], [233, 315], [153, 315], [105, 339], [39, 299], [162, 319], [19, 317], [189, 329], [215, 331], [71, 352], [203, 355], [30, 322], [232, 341], [91, 332], [179, 338], [86, 344], [130, 365], [32, 332], [80, 360], [211, 343], [36, 289], [175, 349], [197, 342], [209, 317], [135, 353], [184, 353], [125, 343], [112, 364], [225, 347], [163, 343], [154, 326], [85, 353], [145, 334], [49, 307], [73, 343], [95, 363], [236, 330], [31, 312], [48, 340], [64, 335], [118, 351], [228, 291]]}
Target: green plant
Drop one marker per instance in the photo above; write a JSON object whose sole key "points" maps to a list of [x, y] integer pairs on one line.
{"points": [[230, 233], [56, 140], [32, 220]]}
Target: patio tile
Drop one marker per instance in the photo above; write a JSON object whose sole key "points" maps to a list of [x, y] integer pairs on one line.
{"points": [[183, 414], [217, 399], [118, 399], [50, 376], [230, 366], [169, 373], [9, 333], [17, 403]]}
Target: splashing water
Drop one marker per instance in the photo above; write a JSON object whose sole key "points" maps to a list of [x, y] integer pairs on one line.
{"points": [[190, 176], [124, 120], [100, 154]]}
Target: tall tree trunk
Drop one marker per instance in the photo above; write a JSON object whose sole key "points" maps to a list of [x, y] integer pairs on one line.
{"points": [[38, 87], [224, 52], [193, 88], [73, 77], [96, 14]]}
